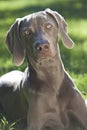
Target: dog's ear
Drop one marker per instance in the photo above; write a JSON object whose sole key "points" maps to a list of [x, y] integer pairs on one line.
{"points": [[62, 26], [14, 43]]}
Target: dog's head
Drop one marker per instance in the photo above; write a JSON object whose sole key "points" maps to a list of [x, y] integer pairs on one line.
{"points": [[37, 35]]}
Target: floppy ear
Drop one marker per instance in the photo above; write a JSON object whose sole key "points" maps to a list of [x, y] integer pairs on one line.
{"points": [[14, 43], [62, 26]]}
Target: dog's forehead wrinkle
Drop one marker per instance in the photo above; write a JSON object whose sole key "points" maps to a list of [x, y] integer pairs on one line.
{"points": [[39, 17], [26, 21]]}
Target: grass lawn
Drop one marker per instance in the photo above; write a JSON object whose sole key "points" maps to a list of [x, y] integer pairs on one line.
{"points": [[74, 12]]}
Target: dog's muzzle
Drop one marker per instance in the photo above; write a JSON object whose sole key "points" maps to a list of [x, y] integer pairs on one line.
{"points": [[43, 49]]}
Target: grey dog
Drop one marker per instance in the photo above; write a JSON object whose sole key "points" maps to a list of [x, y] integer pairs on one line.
{"points": [[45, 93]]}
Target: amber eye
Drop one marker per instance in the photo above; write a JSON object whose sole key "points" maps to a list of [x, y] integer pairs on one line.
{"points": [[28, 32], [48, 26]]}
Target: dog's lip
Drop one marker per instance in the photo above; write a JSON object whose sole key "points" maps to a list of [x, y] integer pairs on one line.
{"points": [[39, 60]]}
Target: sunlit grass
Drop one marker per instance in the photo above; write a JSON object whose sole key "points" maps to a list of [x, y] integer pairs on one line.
{"points": [[17, 4], [80, 81], [78, 28], [5, 125], [4, 5]]}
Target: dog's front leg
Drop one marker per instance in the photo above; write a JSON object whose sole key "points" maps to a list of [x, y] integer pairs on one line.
{"points": [[36, 112], [79, 110]]}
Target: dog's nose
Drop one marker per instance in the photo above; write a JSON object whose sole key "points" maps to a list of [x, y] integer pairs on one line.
{"points": [[43, 49], [42, 45]]}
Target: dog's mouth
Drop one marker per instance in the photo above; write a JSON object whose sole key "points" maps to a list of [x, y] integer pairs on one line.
{"points": [[47, 61], [46, 58], [44, 55]]}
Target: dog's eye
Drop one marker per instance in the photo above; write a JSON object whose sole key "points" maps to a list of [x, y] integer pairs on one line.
{"points": [[28, 32], [48, 26]]}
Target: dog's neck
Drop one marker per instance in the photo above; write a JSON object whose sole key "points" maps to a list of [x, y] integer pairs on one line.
{"points": [[49, 73]]}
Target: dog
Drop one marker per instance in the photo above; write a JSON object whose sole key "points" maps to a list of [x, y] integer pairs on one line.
{"points": [[44, 94]]}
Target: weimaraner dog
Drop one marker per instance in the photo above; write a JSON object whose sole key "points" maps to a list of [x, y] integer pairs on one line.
{"points": [[45, 93]]}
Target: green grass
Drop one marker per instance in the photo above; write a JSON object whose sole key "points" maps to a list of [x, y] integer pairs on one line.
{"points": [[5, 125], [75, 60]]}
